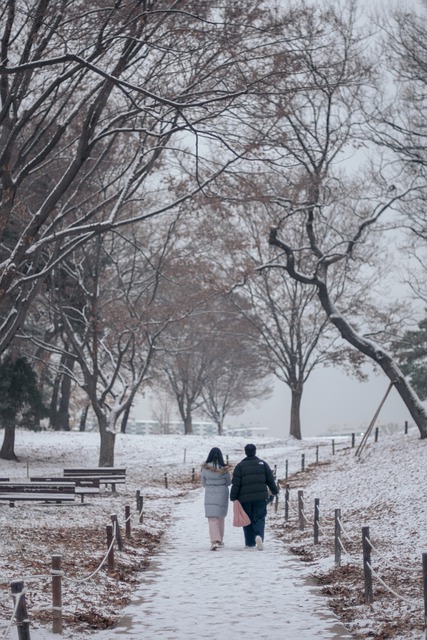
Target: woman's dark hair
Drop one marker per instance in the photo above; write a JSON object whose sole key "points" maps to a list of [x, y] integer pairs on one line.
{"points": [[215, 456]]}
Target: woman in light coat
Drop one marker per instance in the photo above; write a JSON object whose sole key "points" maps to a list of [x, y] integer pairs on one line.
{"points": [[216, 478]]}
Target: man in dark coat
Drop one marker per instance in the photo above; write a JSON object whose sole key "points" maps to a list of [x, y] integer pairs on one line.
{"points": [[252, 477]]}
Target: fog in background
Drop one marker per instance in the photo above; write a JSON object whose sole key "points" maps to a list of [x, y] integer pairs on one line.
{"points": [[332, 401]]}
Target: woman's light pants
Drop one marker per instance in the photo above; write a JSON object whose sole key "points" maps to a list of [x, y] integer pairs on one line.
{"points": [[216, 529]]}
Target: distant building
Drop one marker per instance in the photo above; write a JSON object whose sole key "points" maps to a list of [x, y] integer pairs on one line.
{"points": [[153, 427], [247, 431], [200, 428]]}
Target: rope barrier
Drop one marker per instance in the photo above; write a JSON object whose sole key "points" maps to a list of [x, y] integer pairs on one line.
{"points": [[349, 538], [388, 561], [305, 518], [18, 597], [330, 520], [411, 602], [337, 535], [325, 533], [290, 505], [80, 580], [55, 572], [342, 546]]}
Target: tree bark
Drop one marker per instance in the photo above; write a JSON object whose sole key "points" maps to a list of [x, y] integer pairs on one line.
{"points": [[188, 424], [125, 419], [53, 412], [108, 439], [63, 417], [83, 418], [8, 447], [295, 426]]}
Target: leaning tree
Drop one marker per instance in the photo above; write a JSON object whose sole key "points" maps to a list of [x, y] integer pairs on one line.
{"points": [[319, 126]]}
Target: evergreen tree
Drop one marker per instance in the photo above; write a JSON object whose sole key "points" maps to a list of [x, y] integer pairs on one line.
{"points": [[20, 401], [412, 355]]}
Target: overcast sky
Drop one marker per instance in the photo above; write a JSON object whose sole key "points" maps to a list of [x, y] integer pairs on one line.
{"points": [[332, 401]]}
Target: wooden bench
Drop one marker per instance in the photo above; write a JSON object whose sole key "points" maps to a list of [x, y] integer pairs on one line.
{"points": [[105, 475], [83, 486], [57, 492]]}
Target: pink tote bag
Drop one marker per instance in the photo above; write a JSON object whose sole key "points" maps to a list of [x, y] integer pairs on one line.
{"points": [[240, 517]]}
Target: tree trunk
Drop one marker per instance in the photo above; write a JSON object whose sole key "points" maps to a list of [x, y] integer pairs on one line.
{"points": [[381, 357], [295, 426], [83, 418], [8, 447], [188, 424], [108, 439], [63, 417], [53, 412], [125, 419]]}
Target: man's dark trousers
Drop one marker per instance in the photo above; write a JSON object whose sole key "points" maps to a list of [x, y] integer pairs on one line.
{"points": [[257, 511]]}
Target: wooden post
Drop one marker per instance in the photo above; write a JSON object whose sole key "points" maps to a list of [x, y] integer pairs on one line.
{"points": [[406, 427], [369, 596], [140, 505], [287, 502], [316, 520], [333, 447], [119, 538], [373, 421], [109, 544], [303, 462], [376, 434], [21, 615], [353, 440], [127, 522], [301, 509], [286, 470], [337, 537], [56, 594], [193, 475], [275, 471], [425, 591], [166, 480], [276, 503], [317, 454]]}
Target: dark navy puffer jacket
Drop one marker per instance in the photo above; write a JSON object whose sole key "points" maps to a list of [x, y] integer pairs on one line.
{"points": [[251, 478]]}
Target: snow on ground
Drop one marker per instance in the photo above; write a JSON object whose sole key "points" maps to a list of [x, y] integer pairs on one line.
{"points": [[385, 490]]}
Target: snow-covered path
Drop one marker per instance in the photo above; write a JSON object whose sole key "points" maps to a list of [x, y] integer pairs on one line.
{"points": [[191, 593]]}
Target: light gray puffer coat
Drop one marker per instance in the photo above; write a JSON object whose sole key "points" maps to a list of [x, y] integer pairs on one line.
{"points": [[216, 482]]}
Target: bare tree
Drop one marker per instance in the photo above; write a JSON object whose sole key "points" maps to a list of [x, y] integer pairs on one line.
{"points": [[102, 110], [240, 372], [213, 362], [315, 130], [114, 328], [398, 129]]}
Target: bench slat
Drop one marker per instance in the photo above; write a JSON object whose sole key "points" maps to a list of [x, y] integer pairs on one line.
{"points": [[44, 497], [79, 481], [34, 487], [96, 471]]}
